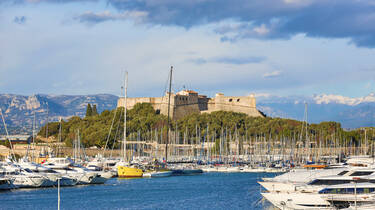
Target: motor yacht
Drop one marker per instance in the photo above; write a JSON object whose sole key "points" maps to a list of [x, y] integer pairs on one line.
{"points": [[316, 184]]}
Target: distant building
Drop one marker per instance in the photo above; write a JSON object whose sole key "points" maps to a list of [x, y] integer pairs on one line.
{"points": [[17, 138], [187, 102]]}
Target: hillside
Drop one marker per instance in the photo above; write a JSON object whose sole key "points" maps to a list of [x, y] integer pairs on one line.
{"points": [[19, 110], [350, 112]]}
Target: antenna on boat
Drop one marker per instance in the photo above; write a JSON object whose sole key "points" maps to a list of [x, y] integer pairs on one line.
{"points": [[58, 193], [169, 103]]}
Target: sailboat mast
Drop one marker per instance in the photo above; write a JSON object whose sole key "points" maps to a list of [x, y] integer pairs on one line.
{"points": [[307, 136], [47, 122], [125, 107], [169, 103], [33, 155]]}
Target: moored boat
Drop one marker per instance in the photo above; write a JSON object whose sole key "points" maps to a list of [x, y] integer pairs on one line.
{"points": [[157, 174], [129, 172]]}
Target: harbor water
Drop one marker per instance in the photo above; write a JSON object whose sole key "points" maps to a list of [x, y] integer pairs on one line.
{"points": [[205, 191]]}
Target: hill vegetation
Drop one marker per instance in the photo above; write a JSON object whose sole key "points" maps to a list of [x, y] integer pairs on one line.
{"points": [[144, 124]]}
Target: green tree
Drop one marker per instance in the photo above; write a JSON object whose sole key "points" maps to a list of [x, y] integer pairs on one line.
{"points": [[5, 143], [88, 110], [144, 123], [94, 110]]}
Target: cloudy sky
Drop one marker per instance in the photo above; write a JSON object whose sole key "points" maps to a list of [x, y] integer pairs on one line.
{"points": [[285, 47]]}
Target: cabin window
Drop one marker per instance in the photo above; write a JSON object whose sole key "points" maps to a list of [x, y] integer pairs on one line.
{"points": [[328, 182], [360, 190], [332, 191], [340, 191], [349, 190]]}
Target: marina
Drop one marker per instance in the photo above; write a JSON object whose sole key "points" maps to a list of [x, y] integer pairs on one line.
{"points": [[205, 104], [199, 166]]}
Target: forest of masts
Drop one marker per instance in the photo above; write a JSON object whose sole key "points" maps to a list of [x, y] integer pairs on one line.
{"points": [[229, 146], [218, 136]]}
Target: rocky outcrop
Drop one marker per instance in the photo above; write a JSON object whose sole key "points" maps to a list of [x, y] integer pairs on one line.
{"points": [[19, 110]]}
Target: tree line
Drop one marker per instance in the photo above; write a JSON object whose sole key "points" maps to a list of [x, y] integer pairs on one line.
{"points": [[143, 123]]}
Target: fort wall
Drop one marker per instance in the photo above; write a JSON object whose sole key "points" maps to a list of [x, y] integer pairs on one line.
{"points": [[187, 102]]}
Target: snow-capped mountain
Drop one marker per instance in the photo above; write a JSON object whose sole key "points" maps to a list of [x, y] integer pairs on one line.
{"points": [[350, 112], [326, 99]]}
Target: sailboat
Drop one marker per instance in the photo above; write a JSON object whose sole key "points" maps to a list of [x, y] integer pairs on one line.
{"points": [[124, 168]]}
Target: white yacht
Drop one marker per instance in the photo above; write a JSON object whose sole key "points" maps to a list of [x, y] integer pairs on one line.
{"points": [[52, 175], [344, 195], [345, 187], [58, 163], [23, 178], [73, 171], [315, 185], [332, 197], [82, 175], [297, 201], [26, 179], [302, 175]]}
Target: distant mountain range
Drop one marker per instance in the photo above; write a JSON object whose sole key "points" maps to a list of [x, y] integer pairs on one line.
{"points": [[19, 110], [350, 112]]}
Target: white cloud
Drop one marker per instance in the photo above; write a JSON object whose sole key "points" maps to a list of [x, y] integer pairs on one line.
{"points": [[272, 74], [91, 17], [298, 2], [263, 95], [261, 30]]}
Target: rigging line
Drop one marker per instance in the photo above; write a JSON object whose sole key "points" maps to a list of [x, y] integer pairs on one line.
{"points": [[117, 129], [166, 86], [6, 130], [109, 133]]}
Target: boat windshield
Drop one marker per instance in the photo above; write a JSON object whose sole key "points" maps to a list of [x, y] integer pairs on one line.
{"points": [[342, 173], [28, 170], [361, 173]]}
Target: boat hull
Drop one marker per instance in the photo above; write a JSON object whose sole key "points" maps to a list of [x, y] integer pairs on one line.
{"points": [[156, 174], [181, 172], [127, 172]]}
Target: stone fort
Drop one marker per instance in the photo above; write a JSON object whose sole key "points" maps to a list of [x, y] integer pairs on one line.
{"points": [[187, 102]]}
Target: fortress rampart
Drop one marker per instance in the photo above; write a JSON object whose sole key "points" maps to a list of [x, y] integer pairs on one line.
{"points": [[187, 102]]}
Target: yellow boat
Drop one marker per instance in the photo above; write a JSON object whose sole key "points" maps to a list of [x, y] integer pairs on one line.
{"points": [[127, 172], [314, 166]]}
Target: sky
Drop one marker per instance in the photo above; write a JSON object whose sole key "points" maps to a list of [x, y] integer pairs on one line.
{"points": [[237, 47]]}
